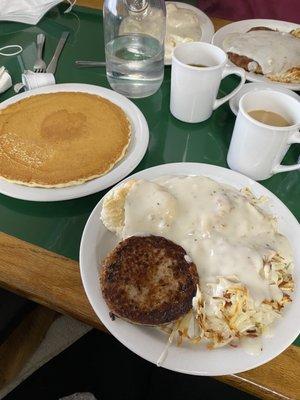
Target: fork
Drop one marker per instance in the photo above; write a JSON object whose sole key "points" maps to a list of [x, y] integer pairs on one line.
{"points": [[39, 65]]}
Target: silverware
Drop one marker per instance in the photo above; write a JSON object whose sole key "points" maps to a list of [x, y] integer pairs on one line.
{"points": [[80, 63], [39, 65], [53, 63]]}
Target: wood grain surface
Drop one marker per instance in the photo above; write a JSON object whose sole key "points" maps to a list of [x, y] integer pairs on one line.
{"points": [[98, 4], [44, 277], [54, 281], [22, 342]]}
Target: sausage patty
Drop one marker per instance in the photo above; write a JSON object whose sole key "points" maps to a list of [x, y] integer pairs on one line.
{"points": [[148, 280]]}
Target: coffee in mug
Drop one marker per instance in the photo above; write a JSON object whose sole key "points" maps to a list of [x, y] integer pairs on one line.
{"points": [[199, 65], [197, 71], [269, 118], [257, 148]]}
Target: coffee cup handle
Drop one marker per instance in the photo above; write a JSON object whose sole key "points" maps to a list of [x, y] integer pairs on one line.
{"points": [[295, 138], [229, 71]]}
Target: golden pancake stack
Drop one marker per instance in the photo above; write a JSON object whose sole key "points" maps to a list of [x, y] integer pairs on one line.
{"points": [[61, 139]]}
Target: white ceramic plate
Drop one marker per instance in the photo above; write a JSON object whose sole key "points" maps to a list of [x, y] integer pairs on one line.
{"points": [[148, 342], [207, 27], [244, 26], [234, 101], [135, 152]]}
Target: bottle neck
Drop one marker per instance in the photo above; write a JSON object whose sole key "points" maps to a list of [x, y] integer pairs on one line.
{"points": [[136, 5]]}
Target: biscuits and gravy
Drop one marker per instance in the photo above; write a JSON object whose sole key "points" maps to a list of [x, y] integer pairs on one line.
{"points": [[244, 264]]}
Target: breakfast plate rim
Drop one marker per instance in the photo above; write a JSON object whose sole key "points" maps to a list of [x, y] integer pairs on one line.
{"points": [[243, 26], [207, 29], [137, 147], [224, 360]]}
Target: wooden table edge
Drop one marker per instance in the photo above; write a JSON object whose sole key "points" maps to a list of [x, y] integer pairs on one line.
{"points": [[54, 281]]}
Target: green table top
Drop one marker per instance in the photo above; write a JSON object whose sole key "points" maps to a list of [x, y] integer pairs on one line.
{"points": [[58, 226]]}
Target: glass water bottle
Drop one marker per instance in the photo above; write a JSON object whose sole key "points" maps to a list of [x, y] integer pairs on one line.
{"points": [[134, 32]]}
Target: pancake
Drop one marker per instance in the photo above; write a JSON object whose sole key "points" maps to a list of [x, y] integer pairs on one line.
{"points": [[61, 139], [148, 280]]}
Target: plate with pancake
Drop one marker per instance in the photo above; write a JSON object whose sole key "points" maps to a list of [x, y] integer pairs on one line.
{"points": [[126, 275], [67, 141], [269, 50]]}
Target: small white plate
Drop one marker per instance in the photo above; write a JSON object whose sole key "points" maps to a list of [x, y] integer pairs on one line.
{"points": [[135, 152], [248, 87], [207, 27], [149, 342], [244, 26]]}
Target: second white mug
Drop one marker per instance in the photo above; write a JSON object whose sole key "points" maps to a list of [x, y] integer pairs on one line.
{"points": [[257, 149], [194, 88]]}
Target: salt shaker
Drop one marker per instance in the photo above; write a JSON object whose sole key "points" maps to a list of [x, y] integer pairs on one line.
{"points": [[134, 33]]}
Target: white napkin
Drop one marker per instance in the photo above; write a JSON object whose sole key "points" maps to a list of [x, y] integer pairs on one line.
{"points": [[28, 11], [5, 80]]}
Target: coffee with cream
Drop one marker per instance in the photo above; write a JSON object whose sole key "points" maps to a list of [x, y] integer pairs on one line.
{"points": [[269, 118]]}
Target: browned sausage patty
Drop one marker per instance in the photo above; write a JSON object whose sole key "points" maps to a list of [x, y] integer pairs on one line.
{"points": [[147, 280], [243, 61]]}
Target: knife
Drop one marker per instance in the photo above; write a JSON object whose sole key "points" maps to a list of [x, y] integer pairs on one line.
{"points": [[53, 63], [81, 63]]}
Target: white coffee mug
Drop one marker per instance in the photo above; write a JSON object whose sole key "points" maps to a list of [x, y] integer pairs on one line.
{"points": [[257, 149], [194, 89]]}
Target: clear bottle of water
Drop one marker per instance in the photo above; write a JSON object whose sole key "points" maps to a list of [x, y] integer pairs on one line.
{"points": [[134, 32]]}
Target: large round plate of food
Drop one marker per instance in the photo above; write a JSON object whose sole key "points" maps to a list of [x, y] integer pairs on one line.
{"points": [[67, 141], [269, 50], [192, 267]]}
